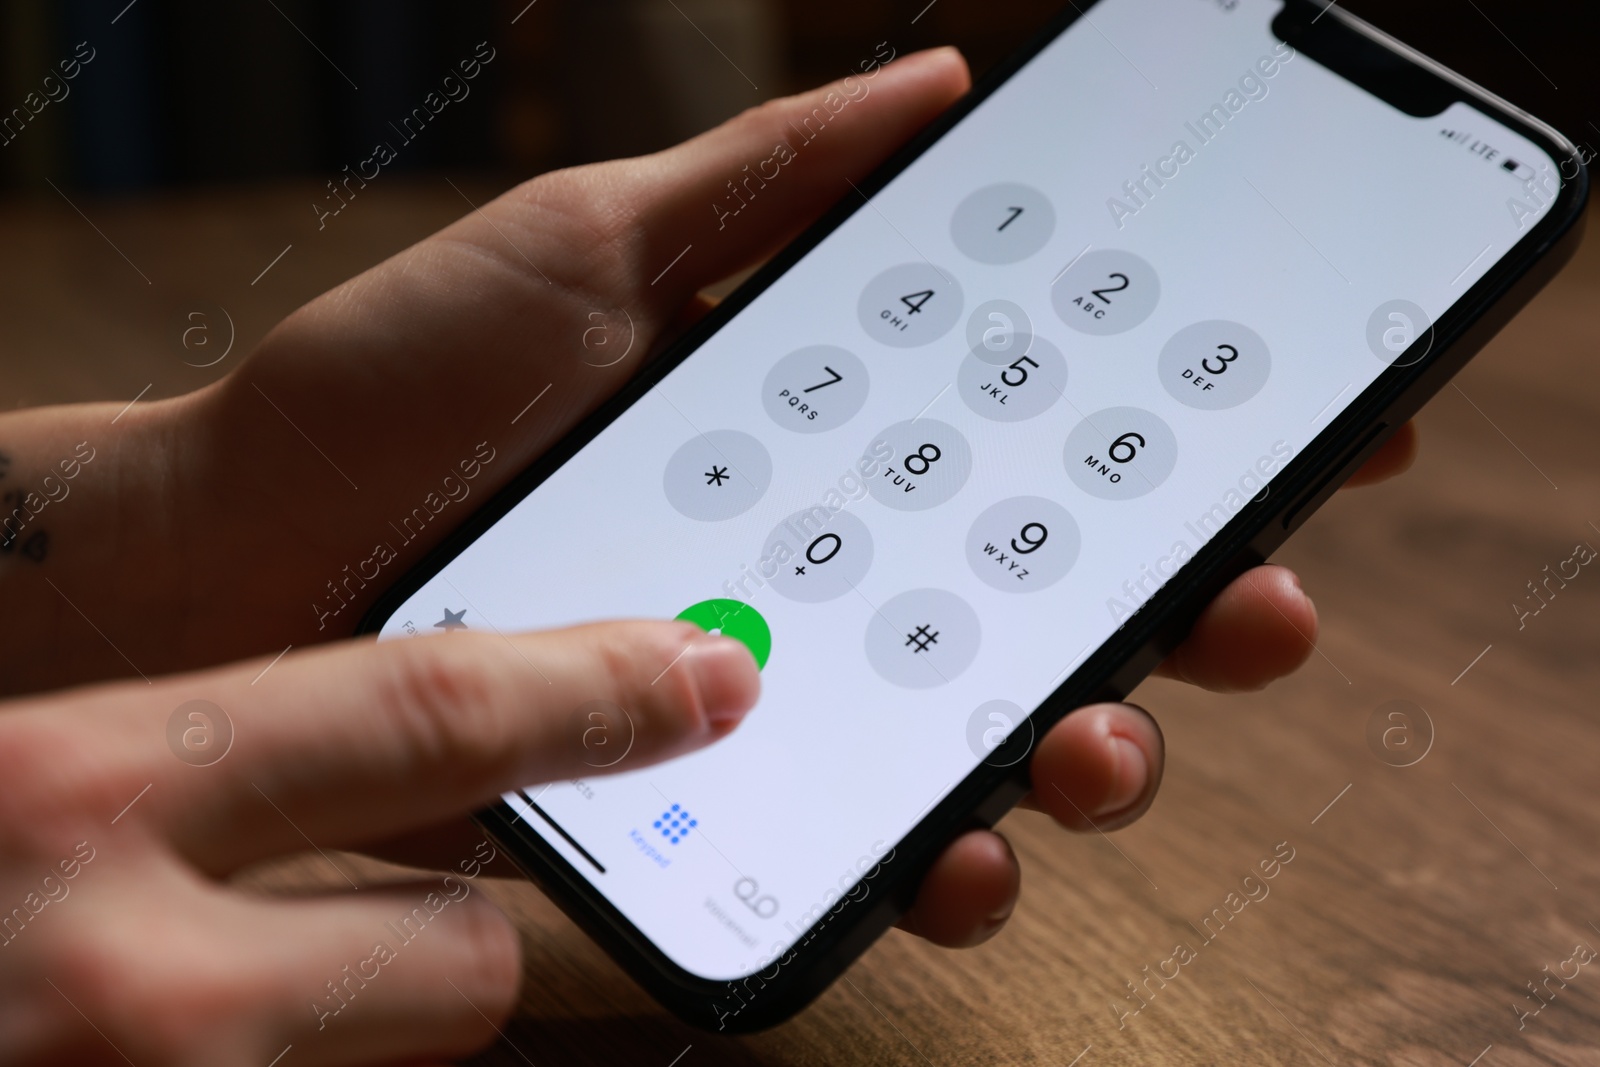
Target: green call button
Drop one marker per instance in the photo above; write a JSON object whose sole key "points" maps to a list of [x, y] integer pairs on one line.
{"points": [[735, 619]]}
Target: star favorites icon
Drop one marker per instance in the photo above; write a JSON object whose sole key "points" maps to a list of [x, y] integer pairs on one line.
{"points": [[451, 620]]}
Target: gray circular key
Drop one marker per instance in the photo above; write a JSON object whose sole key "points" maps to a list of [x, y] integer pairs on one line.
{"points": [[1106, 291], [1214, 365], [1028, 386], [815, 389], [922, 638], [717, 475], [1120, 453], [1004, 223], [820, 553], [929, 461], [910, 305], [1023, 544]]}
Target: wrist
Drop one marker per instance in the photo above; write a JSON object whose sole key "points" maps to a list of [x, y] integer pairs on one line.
{"points": [[89, 545]]}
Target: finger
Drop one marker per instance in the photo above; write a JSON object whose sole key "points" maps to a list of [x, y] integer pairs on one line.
{"points": [[356, 742], [1394, 458], [395, 974], [1099, 768], [968, 893], [458, 846], [730, 197], [1260, 628]]}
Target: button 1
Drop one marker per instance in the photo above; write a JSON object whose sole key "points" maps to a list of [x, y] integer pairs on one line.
{"points": [[1003, 223]]}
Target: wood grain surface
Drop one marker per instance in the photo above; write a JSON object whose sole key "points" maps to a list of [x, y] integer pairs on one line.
{"points": [[1420, 902]]}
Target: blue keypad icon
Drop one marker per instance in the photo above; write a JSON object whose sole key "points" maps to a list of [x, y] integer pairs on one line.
{"points": [[675, 824]]}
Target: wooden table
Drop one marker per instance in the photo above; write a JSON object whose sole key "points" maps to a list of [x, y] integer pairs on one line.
{"points": [[1420, 900]]}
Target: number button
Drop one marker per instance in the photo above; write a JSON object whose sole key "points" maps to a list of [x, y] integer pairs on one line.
{"points": [[815, 389], [922, 638], [999, 331], [1214, 365], [1021, 389], [717, 475], [1106, 291], [1003, 223], [910, 305], [817, 554], [1023, 545], [1120, 453], [929, 461]]}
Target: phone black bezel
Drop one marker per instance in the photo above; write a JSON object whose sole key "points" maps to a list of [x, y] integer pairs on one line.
{"points": [[1111, 671]]}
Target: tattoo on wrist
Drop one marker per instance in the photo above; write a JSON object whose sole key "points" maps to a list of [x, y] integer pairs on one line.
{"points": [[19, 507]]}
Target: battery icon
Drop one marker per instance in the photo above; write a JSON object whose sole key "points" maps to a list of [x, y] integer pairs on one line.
{"points": [[1521, 170]]}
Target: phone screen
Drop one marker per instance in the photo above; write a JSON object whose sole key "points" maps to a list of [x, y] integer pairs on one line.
{"points": [[945, 456]]}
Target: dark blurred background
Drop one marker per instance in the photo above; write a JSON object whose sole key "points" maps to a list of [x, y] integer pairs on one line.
{"points": [[185, 92]]}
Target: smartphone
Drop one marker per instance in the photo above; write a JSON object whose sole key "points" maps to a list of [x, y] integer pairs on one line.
{"points": [[977, 448]]}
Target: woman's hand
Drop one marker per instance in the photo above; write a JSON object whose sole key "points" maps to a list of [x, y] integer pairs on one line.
{"points": [[252, 515], [121, 809]]}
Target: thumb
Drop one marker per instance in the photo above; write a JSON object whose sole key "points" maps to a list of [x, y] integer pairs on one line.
{"points": [[732, 196]]}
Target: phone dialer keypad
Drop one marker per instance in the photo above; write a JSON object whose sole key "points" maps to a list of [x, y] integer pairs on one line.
{"points": [[928, 463], [819, 554], [910, 305], [1028, 386], [999, 331], [1004, 223], [1120, 453], [1214, 365], [815, 389], [1106, 291], [717, 475], [922, 638], [1023, 544]]}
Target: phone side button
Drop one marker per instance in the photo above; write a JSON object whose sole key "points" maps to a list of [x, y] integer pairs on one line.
{"points": [[1313, 498]]}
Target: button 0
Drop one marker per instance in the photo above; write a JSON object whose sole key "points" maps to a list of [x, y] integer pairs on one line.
{"points": [[922, 638], [821, 554], [929, 461], [910, 305], [1120, 453], [1003, 223], [1023, 544], [1106, 291], [815, 389], [717, 475], [1027, 386], [1214, 365]]}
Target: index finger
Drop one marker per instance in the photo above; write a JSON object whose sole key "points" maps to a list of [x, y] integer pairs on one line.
{"points": [[352, 742]]}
